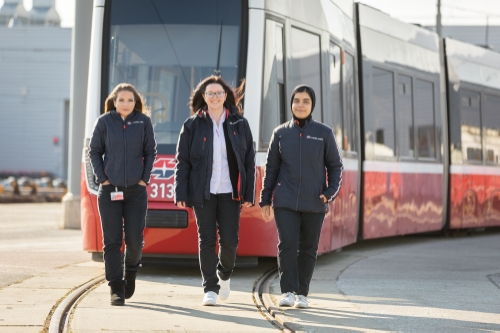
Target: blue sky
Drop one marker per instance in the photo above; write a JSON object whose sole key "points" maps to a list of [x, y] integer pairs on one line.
{"points": [[454, 12]]}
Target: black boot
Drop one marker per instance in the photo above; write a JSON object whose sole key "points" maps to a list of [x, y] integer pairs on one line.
{"points": [[130, 286], [117, 292]]}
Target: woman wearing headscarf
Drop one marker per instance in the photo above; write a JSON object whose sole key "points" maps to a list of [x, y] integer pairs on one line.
{"points": [[302, 152]]}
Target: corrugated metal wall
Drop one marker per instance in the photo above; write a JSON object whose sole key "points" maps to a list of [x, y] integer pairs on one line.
{"points": [[35, 64]]}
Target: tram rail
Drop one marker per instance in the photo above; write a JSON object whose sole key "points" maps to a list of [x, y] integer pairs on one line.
{"points": [[59, 319]]}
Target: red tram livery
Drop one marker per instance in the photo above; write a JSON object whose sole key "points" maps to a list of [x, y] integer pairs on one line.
{"points": [[417, 118]]}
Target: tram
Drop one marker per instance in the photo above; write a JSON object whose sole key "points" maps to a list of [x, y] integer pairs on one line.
{"points": [[417, 118]]}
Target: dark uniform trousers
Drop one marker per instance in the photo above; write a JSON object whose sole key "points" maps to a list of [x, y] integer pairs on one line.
{"points": [[126, 216], [221, 212], [298, 234]]}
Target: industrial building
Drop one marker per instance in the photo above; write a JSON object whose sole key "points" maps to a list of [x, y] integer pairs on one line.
{"points": [[35, 65]]}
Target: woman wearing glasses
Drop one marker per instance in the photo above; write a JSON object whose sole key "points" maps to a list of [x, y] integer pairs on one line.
{"points": [[215, 175]]}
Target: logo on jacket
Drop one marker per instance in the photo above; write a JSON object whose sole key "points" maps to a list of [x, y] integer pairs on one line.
{"points": [[314, 138], [163, 168]]}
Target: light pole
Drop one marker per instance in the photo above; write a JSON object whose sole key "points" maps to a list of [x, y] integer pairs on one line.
{"points": [[80, 48], [438, 19]]}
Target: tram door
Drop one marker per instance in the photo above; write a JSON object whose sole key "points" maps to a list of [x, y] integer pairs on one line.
{"points": [[340, 115]]}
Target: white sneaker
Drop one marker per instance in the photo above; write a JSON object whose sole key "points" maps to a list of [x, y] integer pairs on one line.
{"points": [[301, 301], [224, 288], [287, 299], [210, 298]]}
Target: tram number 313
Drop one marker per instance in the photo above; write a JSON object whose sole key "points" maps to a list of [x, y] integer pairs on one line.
{"points": [[164, 190]]}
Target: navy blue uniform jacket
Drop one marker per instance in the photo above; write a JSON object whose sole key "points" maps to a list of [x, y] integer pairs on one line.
{"points": [[298, 161], [128, 146], [193, 170]]}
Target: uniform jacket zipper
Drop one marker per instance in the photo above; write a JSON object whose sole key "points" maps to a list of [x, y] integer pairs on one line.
{"points": [[232, 138], [125, 141], [300, 169]]}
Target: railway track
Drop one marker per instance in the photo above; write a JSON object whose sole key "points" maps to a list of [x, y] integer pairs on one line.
{"points": [[59, 318]]}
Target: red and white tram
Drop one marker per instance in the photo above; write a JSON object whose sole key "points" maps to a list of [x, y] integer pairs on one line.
{"points": [[474, 124], [381, 85]]}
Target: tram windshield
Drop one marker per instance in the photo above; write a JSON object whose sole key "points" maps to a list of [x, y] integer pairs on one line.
{"points": [[165, 48]]}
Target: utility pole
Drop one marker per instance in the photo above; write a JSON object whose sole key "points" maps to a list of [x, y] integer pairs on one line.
{"points": [[80, 52], [487, 30], [438, 19]]}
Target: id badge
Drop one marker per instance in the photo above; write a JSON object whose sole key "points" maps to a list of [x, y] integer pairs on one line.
{"points": [[117, 195]]}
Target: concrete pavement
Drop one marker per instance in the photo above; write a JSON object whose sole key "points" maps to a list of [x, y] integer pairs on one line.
{"points": [[410, 284], [413, 283], [39, 264], [169, 299]]}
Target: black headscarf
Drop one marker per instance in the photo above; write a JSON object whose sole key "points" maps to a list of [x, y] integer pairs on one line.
{"points": [[310, 92]]}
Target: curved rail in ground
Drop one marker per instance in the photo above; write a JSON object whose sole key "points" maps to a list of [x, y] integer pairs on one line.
{"points": [[59, 318], [267, 307]]}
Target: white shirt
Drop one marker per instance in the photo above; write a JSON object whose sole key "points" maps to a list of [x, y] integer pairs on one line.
{"points": [[220, 182]]}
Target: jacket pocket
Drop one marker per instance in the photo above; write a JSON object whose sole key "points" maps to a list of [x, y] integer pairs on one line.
{"points": [[199, 145], [106, 166], [275, 191], [325, 204]]}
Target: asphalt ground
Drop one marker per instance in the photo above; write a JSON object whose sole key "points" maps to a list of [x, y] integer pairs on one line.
{"points": [[412, 283]]}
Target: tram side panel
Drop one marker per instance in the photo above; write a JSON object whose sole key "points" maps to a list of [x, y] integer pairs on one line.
{"points": [[311, 48], [474, 126], [345, 207], [257, 236], [401, 198], [402, 166]]}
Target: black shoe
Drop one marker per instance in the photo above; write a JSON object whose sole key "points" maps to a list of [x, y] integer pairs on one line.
{"points": [[117, 292], [130, 286]]}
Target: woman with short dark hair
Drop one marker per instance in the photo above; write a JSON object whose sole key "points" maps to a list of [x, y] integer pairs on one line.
{"points": [[301, 152], [215, 175]]}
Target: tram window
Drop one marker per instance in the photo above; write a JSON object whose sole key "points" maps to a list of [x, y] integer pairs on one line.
{"points": [[383, 112], [424, 119], [305, 64], [333, 116], [150, 46], [349, 142], [273, 104], [404, 111], [491, 120], [470, 126]]}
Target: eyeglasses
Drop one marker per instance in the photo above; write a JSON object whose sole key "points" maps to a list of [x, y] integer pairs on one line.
{"points": [[219, 94]]}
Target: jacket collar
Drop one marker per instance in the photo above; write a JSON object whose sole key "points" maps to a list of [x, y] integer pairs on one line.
{"points": [[129, 117], [230, 112], [295, 123]]}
